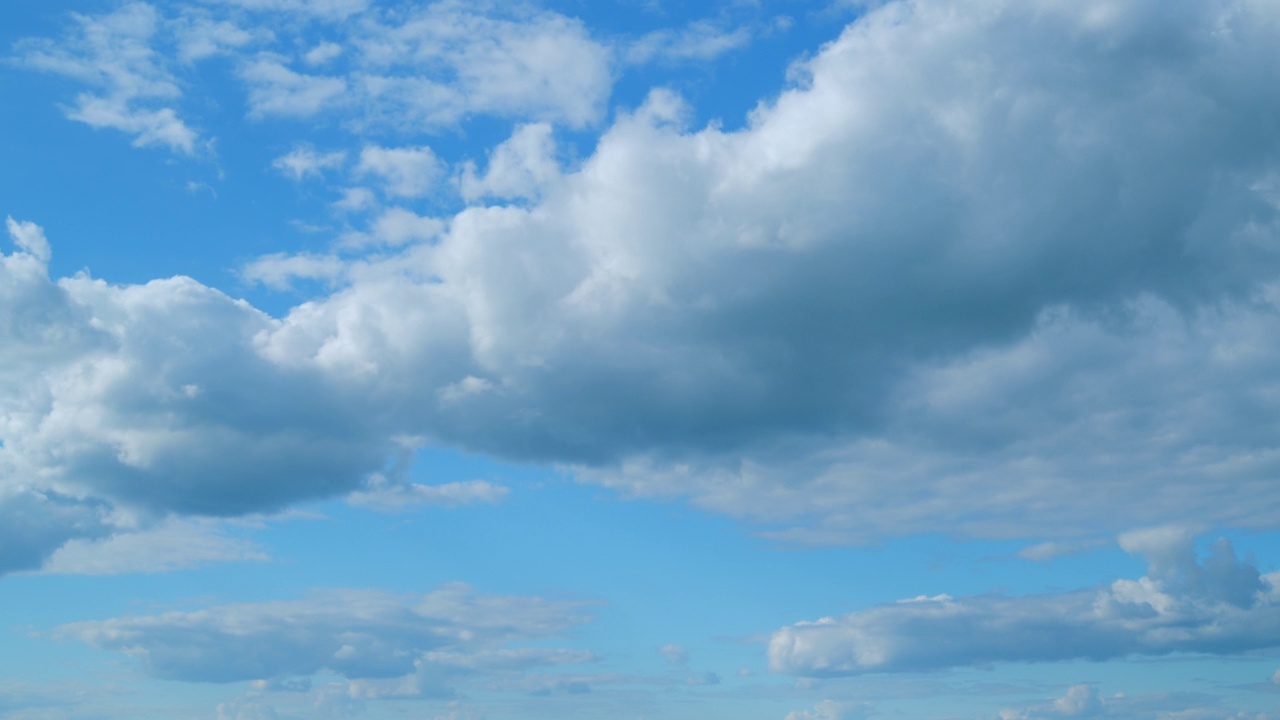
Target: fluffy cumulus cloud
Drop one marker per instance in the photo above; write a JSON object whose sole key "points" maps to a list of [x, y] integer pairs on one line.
{"points": [[387, 645], [1218, 606], [116, 407], [996, 269]]}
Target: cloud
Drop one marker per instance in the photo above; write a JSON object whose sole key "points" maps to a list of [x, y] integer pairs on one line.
{"points": [[701, 41], [434, 66], [200, 37], [674, 653], [832, 710], [1009, 273], [407, 172], [382, 496], [326, 9], [519, 168], [29, 238], [148, 398], [1221, 606], [35, 523], [135, 90], [359, 634], [277, 90], [171, 545], [447, 61], [280, 270], [303, 162], [1084, 701]]}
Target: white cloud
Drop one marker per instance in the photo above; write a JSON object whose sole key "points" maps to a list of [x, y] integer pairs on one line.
{"points": [[199, 37], [674, 653], [356, 199], [703, 40], [398, 496], [1220, 606], [519, 168], [172, 545], [279, 271], [327, 9], [29, 238], [1084, 701], [275, 89], [832, 710], [323, 53], [303, 162], [1045, 551], [1008, 273], [446, 61], [393, 227], [411, 642], [406, 172], [113, 53]]}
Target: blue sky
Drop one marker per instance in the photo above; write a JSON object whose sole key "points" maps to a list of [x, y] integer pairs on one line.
{"points": [[773, 360]]}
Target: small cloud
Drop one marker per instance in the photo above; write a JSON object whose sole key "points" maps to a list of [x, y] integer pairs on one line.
{"points": [[706, 678], [356, 199], [701, 40], [30, 238], [466, 387], [405, 172], [322, 53], [393, 228], [303, 161], [279, 270], [392, 497], [1046, 551], [174, 545], [674, 653]]}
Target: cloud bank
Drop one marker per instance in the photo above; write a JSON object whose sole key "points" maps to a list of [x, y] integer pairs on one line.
{"points": [[1221, 606], [387, 645], [1003, 269]]}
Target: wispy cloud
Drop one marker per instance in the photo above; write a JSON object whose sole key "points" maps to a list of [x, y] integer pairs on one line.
{"points": [[135, 92], [393, 645]]}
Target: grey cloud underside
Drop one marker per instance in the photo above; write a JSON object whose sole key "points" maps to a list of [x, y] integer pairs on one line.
{"points": [[1222, 606], [993, 269]]}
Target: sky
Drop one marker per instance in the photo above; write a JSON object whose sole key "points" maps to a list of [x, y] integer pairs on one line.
{"points": [[640, 360]]}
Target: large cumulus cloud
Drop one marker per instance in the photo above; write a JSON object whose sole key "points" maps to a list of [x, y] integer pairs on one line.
{"points": [[993, 268]]}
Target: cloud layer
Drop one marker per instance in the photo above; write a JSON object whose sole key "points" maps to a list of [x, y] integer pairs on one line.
{"points": [[1220, 606], [401, 646]]}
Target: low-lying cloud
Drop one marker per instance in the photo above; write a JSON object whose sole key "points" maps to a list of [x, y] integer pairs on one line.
{"points": [[1219, 606]]}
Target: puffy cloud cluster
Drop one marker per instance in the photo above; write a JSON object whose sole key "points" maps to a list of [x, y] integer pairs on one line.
{"points": [[387, 645], [1220, 606], [996, 269], [119, 404]]}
